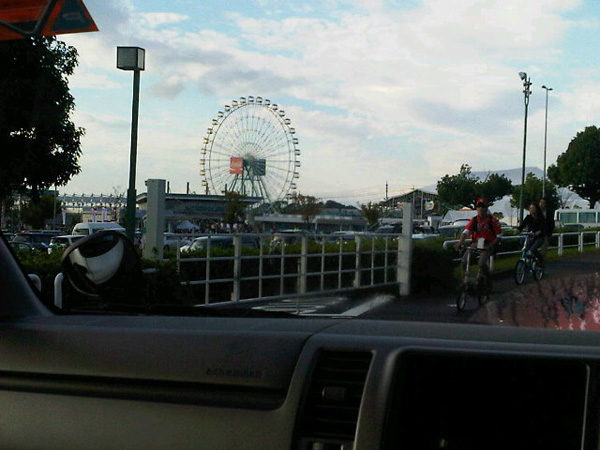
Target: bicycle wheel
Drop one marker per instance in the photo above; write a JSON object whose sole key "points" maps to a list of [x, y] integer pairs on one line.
{"points": [[484, 287], [461, 300], [538, 272], [520, 272]]}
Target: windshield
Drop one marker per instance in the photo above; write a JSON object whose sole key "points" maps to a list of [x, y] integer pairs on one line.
{"points": [[428, 160]]}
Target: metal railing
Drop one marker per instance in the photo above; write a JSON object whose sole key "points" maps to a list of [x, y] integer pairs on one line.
{"points": [[250, 267], [560, 246]]}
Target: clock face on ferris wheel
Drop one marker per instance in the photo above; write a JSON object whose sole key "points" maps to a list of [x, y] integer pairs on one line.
{"points": [[251, 149]]}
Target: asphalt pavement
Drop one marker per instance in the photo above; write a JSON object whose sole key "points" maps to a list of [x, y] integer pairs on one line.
{"points": [[442, 308], [428, 308]]}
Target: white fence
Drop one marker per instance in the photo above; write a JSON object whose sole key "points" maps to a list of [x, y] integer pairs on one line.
{"points": [[272, 266], [560, 238]]}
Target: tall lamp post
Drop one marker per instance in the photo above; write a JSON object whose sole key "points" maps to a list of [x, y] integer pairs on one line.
{"points": [[545, 141], [527, 93], [132, 58]]}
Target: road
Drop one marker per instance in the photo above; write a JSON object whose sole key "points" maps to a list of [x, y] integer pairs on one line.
{"points": [[441, 308]]}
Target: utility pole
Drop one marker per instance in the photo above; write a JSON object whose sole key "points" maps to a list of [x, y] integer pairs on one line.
{"points": [[526, 93], [545, 140]]}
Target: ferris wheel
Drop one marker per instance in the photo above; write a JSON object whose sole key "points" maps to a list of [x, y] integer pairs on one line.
{"points": [[250, 148]]}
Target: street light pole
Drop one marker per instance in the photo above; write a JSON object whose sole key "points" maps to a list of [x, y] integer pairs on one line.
{"points": [[131, 193], [527, 93], [132, 58], [545, 141]]}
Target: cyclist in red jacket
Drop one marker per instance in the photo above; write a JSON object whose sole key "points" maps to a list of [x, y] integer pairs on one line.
{"points": [[484, 230]]}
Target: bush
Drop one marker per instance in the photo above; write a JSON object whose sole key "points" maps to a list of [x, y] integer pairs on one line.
{"points": [[432, 268], [43, 265], [432, 271]]}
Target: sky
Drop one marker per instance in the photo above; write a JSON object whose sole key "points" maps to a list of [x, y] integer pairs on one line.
{"points": [[396, 91]]}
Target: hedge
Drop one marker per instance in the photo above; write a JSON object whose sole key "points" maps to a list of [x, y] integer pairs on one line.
{"points": [[432, 270]]}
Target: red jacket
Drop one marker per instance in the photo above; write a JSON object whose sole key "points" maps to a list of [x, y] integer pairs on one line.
{"points": [[488, 228]]}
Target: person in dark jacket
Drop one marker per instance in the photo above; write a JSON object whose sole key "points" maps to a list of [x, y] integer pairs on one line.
{"points": [[535, 224], [549, 225]]}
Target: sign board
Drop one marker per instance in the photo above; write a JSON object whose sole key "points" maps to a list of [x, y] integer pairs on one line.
{"points": [[236, 165], [429, 205], [23, 18]]}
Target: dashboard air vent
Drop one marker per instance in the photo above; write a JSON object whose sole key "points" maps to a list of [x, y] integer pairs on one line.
{"points": [[333, 399]]}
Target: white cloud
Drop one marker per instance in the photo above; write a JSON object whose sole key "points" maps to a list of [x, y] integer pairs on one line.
{"points": [[437, 81], [156, 19]]}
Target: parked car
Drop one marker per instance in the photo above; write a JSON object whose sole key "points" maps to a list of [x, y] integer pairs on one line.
{"points": [[9, 236], [390, 229], [172, 240], [61, 242], [570, 227], [22, 246], [87, 228], [40, 240], [287, 237], [201, 243], [336, 236], [422, 236], [450, 232]]}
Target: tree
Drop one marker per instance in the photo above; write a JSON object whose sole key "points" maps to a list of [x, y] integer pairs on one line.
{"points": [[458, 190], [533, 192], [306, 205], [235, 210], [578, 167], [35, 214], [40, 144], [495, 187], [464, 188], [332, 204], [372, 212]]}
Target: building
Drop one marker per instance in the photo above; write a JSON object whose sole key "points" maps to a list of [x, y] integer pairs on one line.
{"points": [[199, 210], [94, 207], [324, 222], [425, 203]]}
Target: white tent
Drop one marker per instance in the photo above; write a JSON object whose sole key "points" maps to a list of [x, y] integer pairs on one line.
{"points": [[186, 225]]}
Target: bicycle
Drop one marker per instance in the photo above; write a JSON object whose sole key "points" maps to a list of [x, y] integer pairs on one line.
{"points": [[473, 286], [529, 263]]}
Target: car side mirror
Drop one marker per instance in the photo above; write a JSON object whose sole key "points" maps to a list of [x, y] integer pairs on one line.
{"points": [[106, 266]]}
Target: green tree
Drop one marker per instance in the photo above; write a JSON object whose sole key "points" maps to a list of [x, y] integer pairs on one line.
{"points": [[578, 167], [533, 192], [464, 188], [40, 144], [35, 214], [495, 187], [235, 210], [306, 205], [458, 190], [372, 212]]}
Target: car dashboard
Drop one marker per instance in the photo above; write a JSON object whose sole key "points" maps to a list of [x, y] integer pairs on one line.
{"points": [[172, 382]]}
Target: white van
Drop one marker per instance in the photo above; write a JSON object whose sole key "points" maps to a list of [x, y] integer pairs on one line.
{"points": [[87, 228]]}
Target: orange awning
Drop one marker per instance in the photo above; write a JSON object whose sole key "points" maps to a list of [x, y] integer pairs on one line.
{"points": [[21, 18]]}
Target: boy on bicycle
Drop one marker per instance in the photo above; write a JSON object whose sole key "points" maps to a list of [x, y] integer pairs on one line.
{"points": [[535, 224], [484, 230]]}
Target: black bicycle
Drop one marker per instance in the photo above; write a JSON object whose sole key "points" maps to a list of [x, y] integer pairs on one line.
{"points": [[475, 285], [529, 263]]}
